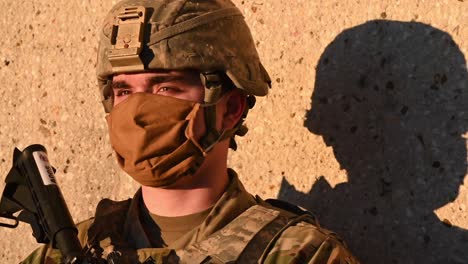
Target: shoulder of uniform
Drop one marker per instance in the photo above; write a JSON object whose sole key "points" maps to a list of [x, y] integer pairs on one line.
{"points": [[308, 243], [303, 240], [300, 220], [289, 207]]}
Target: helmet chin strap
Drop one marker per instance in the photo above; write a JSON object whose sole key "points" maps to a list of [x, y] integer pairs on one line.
{"points": [[108, 101], [213, 92]]}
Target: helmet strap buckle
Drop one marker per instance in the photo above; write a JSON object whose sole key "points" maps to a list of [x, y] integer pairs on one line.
{"points": [[213, 87]]}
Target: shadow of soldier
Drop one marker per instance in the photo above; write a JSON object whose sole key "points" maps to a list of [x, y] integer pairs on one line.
{"points": [[391, 99]]}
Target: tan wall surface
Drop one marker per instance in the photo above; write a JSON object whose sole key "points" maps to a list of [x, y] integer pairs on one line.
{"points": [[366, 123]]}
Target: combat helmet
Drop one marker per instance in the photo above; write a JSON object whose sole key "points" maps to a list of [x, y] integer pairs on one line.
{"points": [[209, 36]]}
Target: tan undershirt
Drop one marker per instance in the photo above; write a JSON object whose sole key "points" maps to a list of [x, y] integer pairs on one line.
{"points": [[172, 228]]}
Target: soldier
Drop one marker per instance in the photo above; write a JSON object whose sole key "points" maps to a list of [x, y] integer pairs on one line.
{"points": [[177, 79]]}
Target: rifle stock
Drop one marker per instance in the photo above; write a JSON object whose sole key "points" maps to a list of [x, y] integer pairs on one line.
{"points": [[31, 190]]}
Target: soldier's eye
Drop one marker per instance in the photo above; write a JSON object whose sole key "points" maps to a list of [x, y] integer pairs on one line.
{"points": [[123, 92], [167, 90]]}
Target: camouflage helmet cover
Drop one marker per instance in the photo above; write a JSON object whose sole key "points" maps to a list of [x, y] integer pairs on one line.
{"points": [[206, 35]]}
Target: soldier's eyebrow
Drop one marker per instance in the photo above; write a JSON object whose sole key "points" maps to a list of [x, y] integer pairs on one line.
{"points": [[165, 78], [151, 81], [120, 85]]}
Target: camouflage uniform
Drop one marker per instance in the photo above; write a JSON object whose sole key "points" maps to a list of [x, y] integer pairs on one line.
{"points": [[240, 228]]}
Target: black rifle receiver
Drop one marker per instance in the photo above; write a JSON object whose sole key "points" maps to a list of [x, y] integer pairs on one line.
{"points": [[32, 190]]}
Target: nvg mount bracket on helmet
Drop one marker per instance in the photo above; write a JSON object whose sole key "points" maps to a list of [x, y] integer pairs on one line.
{"points": [[127, 40]]}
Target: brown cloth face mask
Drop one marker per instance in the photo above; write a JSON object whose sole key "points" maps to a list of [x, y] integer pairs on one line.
{"points": [[153, 138]]}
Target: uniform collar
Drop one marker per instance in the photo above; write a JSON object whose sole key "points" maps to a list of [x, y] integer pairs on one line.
{"points": [[140, 232]]}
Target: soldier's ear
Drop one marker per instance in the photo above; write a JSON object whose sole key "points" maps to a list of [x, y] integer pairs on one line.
{"points": [[235, 104]]}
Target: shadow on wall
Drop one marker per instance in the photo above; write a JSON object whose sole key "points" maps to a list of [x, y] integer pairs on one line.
{"points": [[391, 99]]}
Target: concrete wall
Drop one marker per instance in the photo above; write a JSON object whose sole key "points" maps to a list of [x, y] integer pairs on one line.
{"points": [[366, 123]]}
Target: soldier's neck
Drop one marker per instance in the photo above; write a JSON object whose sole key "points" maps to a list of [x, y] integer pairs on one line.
{"points": [[191, 194]]}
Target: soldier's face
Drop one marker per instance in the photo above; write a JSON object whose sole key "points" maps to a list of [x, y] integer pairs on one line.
{"points": [[185, 85]]}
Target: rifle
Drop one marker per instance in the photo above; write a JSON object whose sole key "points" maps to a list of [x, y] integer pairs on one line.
{"points": [[32, 190]]}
